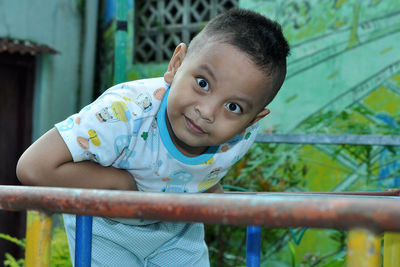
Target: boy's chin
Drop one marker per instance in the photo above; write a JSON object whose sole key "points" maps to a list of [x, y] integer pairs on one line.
{"points": [[192, 148]]}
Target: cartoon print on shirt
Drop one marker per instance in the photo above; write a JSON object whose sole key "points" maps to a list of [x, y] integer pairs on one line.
{"points": [[143, 100], [214, 173], [145, 135], [85, 142], [236, 139], [66, 125], [121, 144], [93, 137], [206, 184], [177, 181], [159, 93], [118, 111], [208, 162], [77, 120], [212, 179]]}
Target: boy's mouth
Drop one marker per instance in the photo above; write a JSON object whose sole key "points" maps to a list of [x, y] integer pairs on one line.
{"points": [[193, 127]]}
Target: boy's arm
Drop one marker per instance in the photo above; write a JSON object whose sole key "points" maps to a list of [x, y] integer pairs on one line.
{"points": [[48, 162], [217, 188]]}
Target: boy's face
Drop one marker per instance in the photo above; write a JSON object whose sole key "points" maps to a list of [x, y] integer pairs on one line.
{"points": [[216, 92]]}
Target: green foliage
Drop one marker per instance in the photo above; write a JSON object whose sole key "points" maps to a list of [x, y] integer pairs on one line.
{"points": [[59, 250], [10, 261], [21, 243], [267, 167]]}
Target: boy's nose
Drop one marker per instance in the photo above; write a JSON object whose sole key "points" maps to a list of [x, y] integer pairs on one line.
{"points": [[206, 110]]}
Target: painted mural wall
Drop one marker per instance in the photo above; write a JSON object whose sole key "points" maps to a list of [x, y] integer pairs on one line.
{"points": [[342, 52], [343, 78]]}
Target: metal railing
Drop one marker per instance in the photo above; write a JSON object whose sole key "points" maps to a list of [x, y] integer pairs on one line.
{"points": [[365, 217]]}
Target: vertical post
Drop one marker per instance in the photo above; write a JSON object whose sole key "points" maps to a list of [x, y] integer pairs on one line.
{"points": [[363, 249], [391, 245], [120, 42], [38, 239], [83, 241], [253, 246]]}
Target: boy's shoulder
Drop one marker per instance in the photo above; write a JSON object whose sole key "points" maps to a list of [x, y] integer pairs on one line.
{"points": [[153, 86], [140, 95]]}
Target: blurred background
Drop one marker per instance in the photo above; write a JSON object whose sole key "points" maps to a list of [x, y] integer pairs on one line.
{"points": [[56, 56]]}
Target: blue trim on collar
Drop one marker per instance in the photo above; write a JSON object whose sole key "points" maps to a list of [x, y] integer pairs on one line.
{"points": [[166, 139]]}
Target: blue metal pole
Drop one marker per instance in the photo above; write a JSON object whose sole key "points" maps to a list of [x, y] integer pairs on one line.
{"points": [[253, 244], [83, 241]]}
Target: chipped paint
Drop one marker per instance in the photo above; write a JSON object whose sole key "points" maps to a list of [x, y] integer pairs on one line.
{"points": [[363, 249], [38, 239]]}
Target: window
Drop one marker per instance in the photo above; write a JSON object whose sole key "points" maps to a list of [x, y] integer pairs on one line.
{"points": [[161, 25]]}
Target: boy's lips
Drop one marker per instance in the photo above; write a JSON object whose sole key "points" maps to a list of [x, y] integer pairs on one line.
{"points": [[193, 127]]}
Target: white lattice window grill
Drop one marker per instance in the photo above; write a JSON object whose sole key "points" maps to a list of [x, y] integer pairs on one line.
{"points": [[161, 25]]}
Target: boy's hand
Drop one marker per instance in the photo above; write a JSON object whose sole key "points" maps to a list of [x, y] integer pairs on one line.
{"points": [[48, 162]]}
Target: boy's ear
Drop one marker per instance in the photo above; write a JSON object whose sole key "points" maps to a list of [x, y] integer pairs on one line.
{"points": [[175, 62], [259, 116]]}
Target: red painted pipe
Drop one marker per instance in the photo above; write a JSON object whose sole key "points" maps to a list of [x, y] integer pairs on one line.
{"points": [[376, 213]]}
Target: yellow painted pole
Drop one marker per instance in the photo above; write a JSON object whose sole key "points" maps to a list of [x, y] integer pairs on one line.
{"points": [[38, 239], [363, 249], [391, 246]]}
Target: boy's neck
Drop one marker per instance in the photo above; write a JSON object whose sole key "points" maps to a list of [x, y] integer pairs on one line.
{"points": [[186, 150]]}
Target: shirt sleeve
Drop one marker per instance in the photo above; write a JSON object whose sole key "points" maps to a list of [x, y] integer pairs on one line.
{"points": [[243, 142], [104, 130]]}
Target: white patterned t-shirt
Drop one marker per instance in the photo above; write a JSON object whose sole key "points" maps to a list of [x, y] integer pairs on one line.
{"points": [[126, 128]]}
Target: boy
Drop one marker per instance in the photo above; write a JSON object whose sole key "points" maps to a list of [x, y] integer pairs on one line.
{"points": [[179, 133]]}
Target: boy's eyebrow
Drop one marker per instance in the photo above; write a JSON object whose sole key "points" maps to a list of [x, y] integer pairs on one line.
{"points": [[246, 101], [207, 69]]}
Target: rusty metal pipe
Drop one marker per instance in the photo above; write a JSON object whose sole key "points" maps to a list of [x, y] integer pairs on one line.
{"points": [[272, 210], [390, 192]]}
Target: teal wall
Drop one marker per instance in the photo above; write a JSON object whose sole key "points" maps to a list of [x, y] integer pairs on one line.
{"points": [[63, 82], [107, 28]]}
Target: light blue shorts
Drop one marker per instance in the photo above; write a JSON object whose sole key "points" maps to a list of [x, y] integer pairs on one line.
{"points": [[156, 244]]}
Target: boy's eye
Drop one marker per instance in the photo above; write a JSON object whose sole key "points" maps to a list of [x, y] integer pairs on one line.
{"points": [[202, 83], [233, 107]]}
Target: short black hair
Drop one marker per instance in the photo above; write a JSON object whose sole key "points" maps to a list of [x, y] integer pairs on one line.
{"points": [[256, 35]]}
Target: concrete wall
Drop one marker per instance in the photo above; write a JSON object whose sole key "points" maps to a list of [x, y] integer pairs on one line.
{"points": [[59, 78]]}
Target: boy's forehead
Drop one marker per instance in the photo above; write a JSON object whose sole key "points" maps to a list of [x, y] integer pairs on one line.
{"points": [[213, 49]]}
